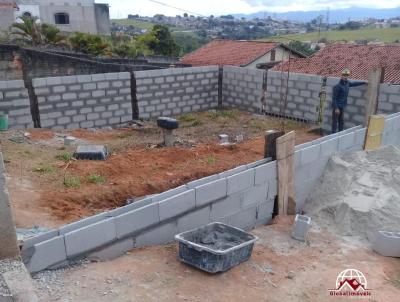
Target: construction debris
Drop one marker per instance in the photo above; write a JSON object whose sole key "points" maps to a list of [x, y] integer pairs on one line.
{"points": [[300, 228], [91, 152]]}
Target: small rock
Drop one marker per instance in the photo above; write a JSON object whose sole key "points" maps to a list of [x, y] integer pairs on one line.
{"points": [[290, 275]]}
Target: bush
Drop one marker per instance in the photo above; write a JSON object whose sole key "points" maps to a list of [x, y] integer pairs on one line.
{"points": [[66, 156], [72, 182], [96, 179], [44, 168], [89, 44]]}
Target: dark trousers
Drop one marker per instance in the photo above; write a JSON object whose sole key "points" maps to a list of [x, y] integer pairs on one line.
{"points": [[337, 119]]}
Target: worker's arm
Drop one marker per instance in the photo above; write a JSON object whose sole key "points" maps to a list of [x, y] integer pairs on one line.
{"points": [[357, 83]]}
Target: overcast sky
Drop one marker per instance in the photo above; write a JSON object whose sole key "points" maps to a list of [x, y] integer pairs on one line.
{"points": [[121, 8]]}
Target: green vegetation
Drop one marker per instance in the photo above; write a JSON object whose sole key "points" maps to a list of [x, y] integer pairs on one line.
{"points": [[189, 41], [44, 168], [387, 35], [225, 114], [72, 182], [65, 156], [135, 23], [190, 120], [96, 179], [301, 47], [211, 160], [160, 41]]}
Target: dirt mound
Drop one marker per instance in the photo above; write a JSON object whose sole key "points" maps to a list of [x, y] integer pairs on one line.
{"points": [[359, 193]]}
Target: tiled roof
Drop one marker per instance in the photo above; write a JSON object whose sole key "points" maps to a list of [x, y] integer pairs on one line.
{"points": [[228, 52], [360, 59]]}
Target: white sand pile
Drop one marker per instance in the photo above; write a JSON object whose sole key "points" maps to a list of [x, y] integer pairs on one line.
{"points": [[359, 193]]}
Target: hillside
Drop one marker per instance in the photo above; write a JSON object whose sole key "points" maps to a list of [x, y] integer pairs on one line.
{"points": [[387, 35], [140, 24]]}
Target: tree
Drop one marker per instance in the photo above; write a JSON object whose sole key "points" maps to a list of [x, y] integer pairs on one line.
{"points": [[88, 43], [301, 47], [160, 41], [28, 28], [51, 34]]}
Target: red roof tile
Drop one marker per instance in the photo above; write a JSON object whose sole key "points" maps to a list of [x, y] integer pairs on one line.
{"points": [[360, 59], [228, 52]]}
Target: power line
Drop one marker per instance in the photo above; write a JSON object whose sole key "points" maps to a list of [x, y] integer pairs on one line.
{"points": [[177, 8]]}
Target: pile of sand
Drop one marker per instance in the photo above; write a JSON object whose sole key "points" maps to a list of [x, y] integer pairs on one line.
{"points": [[359, 193]]}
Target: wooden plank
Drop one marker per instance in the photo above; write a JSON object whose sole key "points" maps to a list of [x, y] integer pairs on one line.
{"points": [[376, 126], [285, 157], [371, 105]]}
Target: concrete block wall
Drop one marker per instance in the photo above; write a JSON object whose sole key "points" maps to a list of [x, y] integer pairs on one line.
{"points": [[243, 88], [243, 199], [176, 91], [84, 101], [14, 101]]}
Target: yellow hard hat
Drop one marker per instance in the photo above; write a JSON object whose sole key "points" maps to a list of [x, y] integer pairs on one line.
{"points": [[346, 72]]}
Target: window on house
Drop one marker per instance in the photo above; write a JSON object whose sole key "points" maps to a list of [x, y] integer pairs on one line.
{"points": [[61, 18], [273, 53], [27, 14]]}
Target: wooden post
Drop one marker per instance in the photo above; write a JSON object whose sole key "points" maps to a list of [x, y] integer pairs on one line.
{"points": [[8, 237], [285, 157], [374, 80], [270, 143], [373, 138]]}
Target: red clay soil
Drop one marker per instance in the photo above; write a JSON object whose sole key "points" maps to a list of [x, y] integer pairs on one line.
{"points": [[139, 172]]}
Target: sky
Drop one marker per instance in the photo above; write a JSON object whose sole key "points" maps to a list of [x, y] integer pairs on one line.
{"points": [[121, 8]]}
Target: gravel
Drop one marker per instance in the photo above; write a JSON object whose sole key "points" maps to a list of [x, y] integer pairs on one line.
{"points": [[8, 265]]}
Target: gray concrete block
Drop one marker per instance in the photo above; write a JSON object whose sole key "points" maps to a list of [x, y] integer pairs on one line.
{"points": [[258, 163], [90, 237], [170, 193], [301, 226], [265, 172], [47, 253], [98, 77], [30, 242], [112, 76], [81, 223], [346, 141], [51, 81], [329, 147], [255, 195], [84, 78], [211, 191], [162, 234], [112, 251], [124, 76], [194, 219], [360, 136], [310, 154], [241, 181], [39, 82], [264, 211], [177, 204], [137, 219], [226, 207], [233, 171], [387, 244], [245, 219]]}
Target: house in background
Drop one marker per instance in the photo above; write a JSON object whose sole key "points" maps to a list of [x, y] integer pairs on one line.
{"points": [[69, 16], [360, 59], [250, 54]]}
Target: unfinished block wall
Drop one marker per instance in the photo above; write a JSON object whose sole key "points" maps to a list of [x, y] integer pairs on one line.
{"points": [[84, 101], [242, 197], [176, 91], [14, 101]]}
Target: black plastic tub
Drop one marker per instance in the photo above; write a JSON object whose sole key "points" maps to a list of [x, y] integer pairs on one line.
{"points": [[216, 247]]}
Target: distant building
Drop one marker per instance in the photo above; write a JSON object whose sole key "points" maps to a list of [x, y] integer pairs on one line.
{"points": [[360, 59], [69, 16], [250, 54]]}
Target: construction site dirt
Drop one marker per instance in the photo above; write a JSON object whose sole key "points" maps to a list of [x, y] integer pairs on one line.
{"points": [[280, 269], [49, 188]]}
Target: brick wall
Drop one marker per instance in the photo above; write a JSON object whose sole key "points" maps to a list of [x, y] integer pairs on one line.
{"points": [[176, 91], [14, 101], [84, 101]]}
